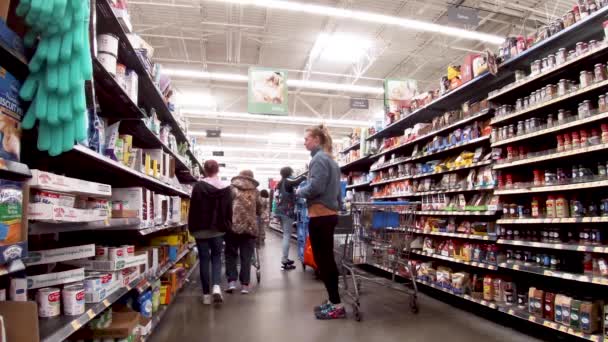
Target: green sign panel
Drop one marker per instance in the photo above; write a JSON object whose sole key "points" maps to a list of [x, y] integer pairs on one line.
{"points": [[267, 91]]}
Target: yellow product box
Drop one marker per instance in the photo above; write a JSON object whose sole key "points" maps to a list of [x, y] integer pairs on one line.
{"points": [[147, 164], [171, 240], [165, 294], [155, 169], [127, 147]]}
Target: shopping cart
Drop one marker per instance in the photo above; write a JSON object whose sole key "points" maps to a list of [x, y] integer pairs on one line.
{"points": [[376, 233]]}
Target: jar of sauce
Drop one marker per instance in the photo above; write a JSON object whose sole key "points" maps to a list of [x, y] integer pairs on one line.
{"points": [[550, 205], [561, 207], [599, 72], [535, 208]]}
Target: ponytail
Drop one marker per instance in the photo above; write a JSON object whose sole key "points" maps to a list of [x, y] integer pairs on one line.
{"points": [[322, 133]]}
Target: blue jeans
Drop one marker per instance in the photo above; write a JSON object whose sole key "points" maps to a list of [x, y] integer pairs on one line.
{"points": [[286, 225], [210, 255]]}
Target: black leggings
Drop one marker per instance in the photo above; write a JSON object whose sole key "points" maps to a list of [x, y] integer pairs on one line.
{"points": [[321, 231]]}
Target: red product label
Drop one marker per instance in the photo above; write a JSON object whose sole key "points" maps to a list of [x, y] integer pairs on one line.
{"points": [[106, 278], [80, 296], [100, 251], [119, 252], [54, 296], [131, 249]]}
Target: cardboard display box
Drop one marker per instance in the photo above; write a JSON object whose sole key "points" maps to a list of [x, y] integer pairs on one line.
{"points": [[110, 265], [123, 325], [60, 254], [55, 278], [135, 199], [20, 321], [57, 213], [50, 181]]}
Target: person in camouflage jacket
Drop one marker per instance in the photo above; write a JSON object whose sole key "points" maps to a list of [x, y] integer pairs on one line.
{"points": [[240, 240]]}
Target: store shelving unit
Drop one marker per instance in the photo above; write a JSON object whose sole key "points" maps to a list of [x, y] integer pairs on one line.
{"points": [[502, 89], [457, 235], [60, 328], [358, 186], [478, 87], [458, 261], [352, 147], [149, 94]]}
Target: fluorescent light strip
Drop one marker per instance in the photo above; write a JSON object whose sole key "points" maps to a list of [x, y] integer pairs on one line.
{"points": [[296, 120], [370, 17], [272, 137], [208, 148], [294, 83]]}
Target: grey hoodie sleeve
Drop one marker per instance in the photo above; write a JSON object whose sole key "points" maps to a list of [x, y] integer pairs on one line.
{"points": [[317, 179]]}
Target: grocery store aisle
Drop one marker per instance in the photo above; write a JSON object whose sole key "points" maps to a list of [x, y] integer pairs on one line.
{"points": [[280, 310]]}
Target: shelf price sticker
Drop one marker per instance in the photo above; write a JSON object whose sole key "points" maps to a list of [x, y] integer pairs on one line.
{"points": [[563, 328], [567, 276], [90, 313], [547, 324], [511, 312], [548, 273], [581, 248], [106, 303], [75, 325], [516, 267], [532, 318], [557, 246]]}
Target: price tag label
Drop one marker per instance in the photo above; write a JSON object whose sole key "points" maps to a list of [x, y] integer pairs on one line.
{"points": [[75, 325], [563, 328], [106, 303], [567, 276], [557, 246], [548, 273], [516, 267], [511, 312], [532, 318], [484, 302], [90, 314], [547, 324]]}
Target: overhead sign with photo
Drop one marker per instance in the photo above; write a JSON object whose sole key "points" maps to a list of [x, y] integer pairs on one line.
{"points": [[399, 93], [267, 91]]}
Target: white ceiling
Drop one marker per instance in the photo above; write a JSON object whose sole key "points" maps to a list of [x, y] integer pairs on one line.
{"points": [[217, 36]]}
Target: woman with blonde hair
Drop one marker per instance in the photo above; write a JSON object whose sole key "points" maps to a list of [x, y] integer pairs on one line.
{"points": [[323, 197]]}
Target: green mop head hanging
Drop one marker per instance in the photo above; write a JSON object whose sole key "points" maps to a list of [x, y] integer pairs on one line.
{"points": [[58, 71]]}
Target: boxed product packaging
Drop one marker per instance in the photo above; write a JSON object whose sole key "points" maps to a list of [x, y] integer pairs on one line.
{"points": [[133, 199], [60, 254], [127, 148], [156, 157], [174, 210], [62, 275], [11, 114], [11, 40], [51, 197], [171, 240], [590, 316], [57, 213], [110, 265], [165, 294], [55, 183], [13, 229]]}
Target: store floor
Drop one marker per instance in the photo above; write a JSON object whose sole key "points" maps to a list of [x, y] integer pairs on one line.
{"points": [[280, 310]]}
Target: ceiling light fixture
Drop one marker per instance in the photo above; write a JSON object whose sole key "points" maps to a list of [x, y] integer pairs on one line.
{"points": [[208, 148], [273, 137], [340, 47], [293, 83], [371, 17], [295, 120]]}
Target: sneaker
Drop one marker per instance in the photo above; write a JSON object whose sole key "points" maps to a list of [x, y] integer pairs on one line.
{"points": [[217, 294], [207, 299], [231, 286], [244, 289], [287, 267], [332, 311], [326, 304]]}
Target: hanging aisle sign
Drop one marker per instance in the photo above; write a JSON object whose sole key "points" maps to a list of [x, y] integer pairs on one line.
{"points": [[267, 91]]}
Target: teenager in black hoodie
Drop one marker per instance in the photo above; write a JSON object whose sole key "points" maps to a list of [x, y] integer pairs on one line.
{"points": [[209, 218]]}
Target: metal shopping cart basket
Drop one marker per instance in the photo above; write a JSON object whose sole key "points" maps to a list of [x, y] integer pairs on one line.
{"points": [[376, 234]]}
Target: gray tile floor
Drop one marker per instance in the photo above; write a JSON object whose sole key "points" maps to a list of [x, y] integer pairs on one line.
{"points": [[280, 310]]}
